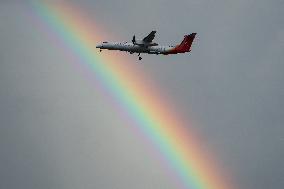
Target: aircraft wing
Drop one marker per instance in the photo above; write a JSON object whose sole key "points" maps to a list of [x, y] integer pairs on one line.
{"points": [[150, 37]]}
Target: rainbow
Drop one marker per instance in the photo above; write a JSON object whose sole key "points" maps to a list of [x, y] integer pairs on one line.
{"points": [[174, 139]]}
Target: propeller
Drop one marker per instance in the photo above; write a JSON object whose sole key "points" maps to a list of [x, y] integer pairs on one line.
{"points": [[133, 40]]}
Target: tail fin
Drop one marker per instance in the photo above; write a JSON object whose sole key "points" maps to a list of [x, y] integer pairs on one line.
{"points": [[186, 43]]}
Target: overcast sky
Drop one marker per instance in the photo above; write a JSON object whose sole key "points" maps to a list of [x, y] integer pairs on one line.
{"points": [[57, 131]]}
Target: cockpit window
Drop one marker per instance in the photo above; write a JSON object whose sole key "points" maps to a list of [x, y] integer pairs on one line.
{"points": [[104, 42]]}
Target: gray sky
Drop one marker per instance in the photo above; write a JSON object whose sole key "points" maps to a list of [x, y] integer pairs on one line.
{"points": [[57, 131]]}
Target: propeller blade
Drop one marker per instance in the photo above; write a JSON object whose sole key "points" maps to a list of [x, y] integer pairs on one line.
{"points": [[133, 40]]}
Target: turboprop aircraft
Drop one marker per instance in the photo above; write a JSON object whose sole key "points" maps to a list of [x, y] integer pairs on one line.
{"points": [[147, 45]]}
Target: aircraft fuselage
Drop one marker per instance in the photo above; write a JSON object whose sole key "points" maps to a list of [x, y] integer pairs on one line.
{"points": [[132, 48]]}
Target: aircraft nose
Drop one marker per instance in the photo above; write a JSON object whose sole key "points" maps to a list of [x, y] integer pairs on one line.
{"points": [[100, 46]]}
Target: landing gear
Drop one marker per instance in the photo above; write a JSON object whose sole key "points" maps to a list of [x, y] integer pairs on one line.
{"points": [[140, 58], [100, 50]]}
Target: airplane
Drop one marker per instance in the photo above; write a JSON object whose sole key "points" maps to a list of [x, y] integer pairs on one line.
{"points": [[147, 45]]}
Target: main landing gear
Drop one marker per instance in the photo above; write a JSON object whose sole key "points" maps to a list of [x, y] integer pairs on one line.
{"points": [[101, 50], [140, 58]]}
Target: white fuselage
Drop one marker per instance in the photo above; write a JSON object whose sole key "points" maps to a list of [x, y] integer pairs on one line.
{"points": [[133, 48]]}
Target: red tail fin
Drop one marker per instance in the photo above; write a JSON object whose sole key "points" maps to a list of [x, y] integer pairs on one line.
{"points": [[186, 43]]}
